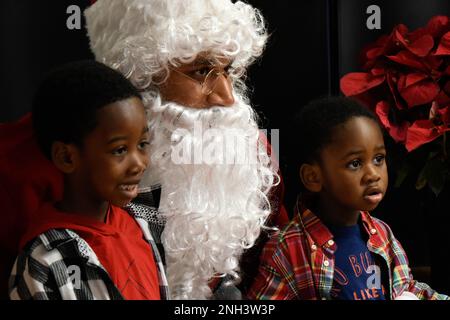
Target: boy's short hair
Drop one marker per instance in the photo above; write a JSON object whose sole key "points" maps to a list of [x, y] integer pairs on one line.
{"points": [[65, 104], [315, 123]]}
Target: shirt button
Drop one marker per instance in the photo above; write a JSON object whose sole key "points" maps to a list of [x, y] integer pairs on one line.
{"points": [[326, 263], [314, 247], [330, 242], [373, 231]]}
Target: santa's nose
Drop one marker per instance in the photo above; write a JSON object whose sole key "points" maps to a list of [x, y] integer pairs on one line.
{"points": [[222, 93]]}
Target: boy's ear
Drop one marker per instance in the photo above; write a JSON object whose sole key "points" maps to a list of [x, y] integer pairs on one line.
{"points": [[311, 177], [65, 156]]}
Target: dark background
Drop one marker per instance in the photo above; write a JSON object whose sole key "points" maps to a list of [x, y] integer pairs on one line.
{"points": [[312, 44]]}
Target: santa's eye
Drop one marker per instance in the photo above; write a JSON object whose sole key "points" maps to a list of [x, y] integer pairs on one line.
{"points": [[201, 73]]}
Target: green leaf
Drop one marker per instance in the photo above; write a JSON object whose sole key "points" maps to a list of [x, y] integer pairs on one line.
{"points": [[421, 181], [425, 173], [437, 176], [402, 173], [434, 174]]}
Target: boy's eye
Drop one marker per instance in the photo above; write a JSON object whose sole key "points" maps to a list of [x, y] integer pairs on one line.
{"points": [[143, 145], [119, 151], [379, 159], [354, 164]]}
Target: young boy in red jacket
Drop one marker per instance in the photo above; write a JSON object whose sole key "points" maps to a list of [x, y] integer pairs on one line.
{"points": [[90, 122]]}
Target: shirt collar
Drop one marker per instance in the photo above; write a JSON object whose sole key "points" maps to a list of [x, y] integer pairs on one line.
{"points": [[321, 235]]}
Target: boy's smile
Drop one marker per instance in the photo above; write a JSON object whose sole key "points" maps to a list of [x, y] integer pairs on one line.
{"points": [[130, 189], [353, 169]]}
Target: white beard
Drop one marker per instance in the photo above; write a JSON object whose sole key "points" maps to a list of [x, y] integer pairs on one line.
{"points": [[213, 211]]}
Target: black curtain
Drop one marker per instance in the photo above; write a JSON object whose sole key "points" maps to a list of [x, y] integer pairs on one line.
{"points": [[293, 70], [34, 38]]}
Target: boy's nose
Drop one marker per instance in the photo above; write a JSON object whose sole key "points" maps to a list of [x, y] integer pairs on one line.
{"points": [[139, 163], [371, 175], [222, 94]]}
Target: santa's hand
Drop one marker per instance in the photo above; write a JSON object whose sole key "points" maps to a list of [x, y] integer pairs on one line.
{"points": [[406, 296]]}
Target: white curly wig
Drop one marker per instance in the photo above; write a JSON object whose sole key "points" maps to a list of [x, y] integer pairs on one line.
{"points": [[141, 38]]}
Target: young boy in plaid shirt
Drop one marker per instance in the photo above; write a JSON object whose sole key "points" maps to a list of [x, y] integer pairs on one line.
{"points": [[90, 122], [333, 248]]}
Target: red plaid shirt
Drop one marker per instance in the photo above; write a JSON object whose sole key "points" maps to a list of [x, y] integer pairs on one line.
{"points": [[298, 262]]}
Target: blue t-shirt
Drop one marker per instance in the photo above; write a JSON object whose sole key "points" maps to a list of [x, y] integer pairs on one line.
{"points": [[356, 276]]}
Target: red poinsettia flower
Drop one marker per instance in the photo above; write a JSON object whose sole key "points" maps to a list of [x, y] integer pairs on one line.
{"points": [[416, 42], [397, 131], [444, 45], [356, 83], [404, 74], [417, 89], [437, 26], [424, 131]]}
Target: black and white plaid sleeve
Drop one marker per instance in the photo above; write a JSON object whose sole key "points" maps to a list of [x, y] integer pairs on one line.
{"points": [[31, 277], [59, 265]]}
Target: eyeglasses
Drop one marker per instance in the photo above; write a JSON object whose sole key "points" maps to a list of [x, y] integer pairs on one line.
{"points": [[209, 81]]}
